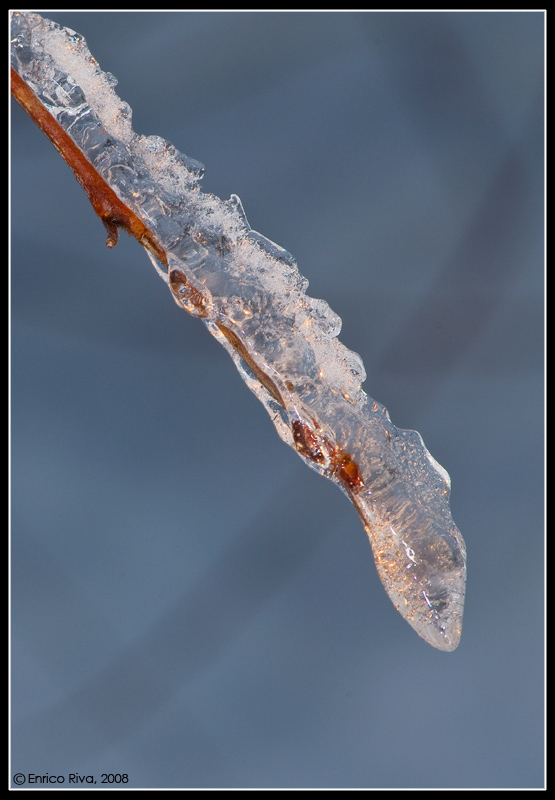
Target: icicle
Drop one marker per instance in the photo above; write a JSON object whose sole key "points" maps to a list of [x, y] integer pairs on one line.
{"points": [[250, 295]]}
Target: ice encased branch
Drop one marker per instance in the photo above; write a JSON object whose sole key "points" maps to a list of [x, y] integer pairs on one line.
{"points": [[251, 296]]}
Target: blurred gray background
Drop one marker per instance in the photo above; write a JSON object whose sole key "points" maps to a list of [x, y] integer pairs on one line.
{"points": [[191, 605]]}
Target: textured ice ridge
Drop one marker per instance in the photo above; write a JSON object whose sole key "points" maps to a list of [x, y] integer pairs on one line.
{"points": [[249, 293]]}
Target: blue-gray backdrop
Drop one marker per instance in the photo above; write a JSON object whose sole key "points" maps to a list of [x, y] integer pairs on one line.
{"points": [[193, 607]]}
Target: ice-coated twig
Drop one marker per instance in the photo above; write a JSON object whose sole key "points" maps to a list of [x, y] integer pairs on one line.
{"points": [[248, 292]]}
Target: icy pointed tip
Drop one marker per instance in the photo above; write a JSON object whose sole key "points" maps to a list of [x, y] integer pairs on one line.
{"points": [[432, 602], [439, 620], [444, 638]]}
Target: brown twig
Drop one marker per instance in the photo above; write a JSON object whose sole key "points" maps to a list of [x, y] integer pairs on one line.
{"points": [[107, 205], [115, 214]]}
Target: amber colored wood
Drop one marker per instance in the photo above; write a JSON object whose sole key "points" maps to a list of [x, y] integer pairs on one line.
{"points": [[112, 211], [115, 214]]}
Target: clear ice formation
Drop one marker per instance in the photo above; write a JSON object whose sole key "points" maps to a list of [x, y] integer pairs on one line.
{"points": [[251, 297]]}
